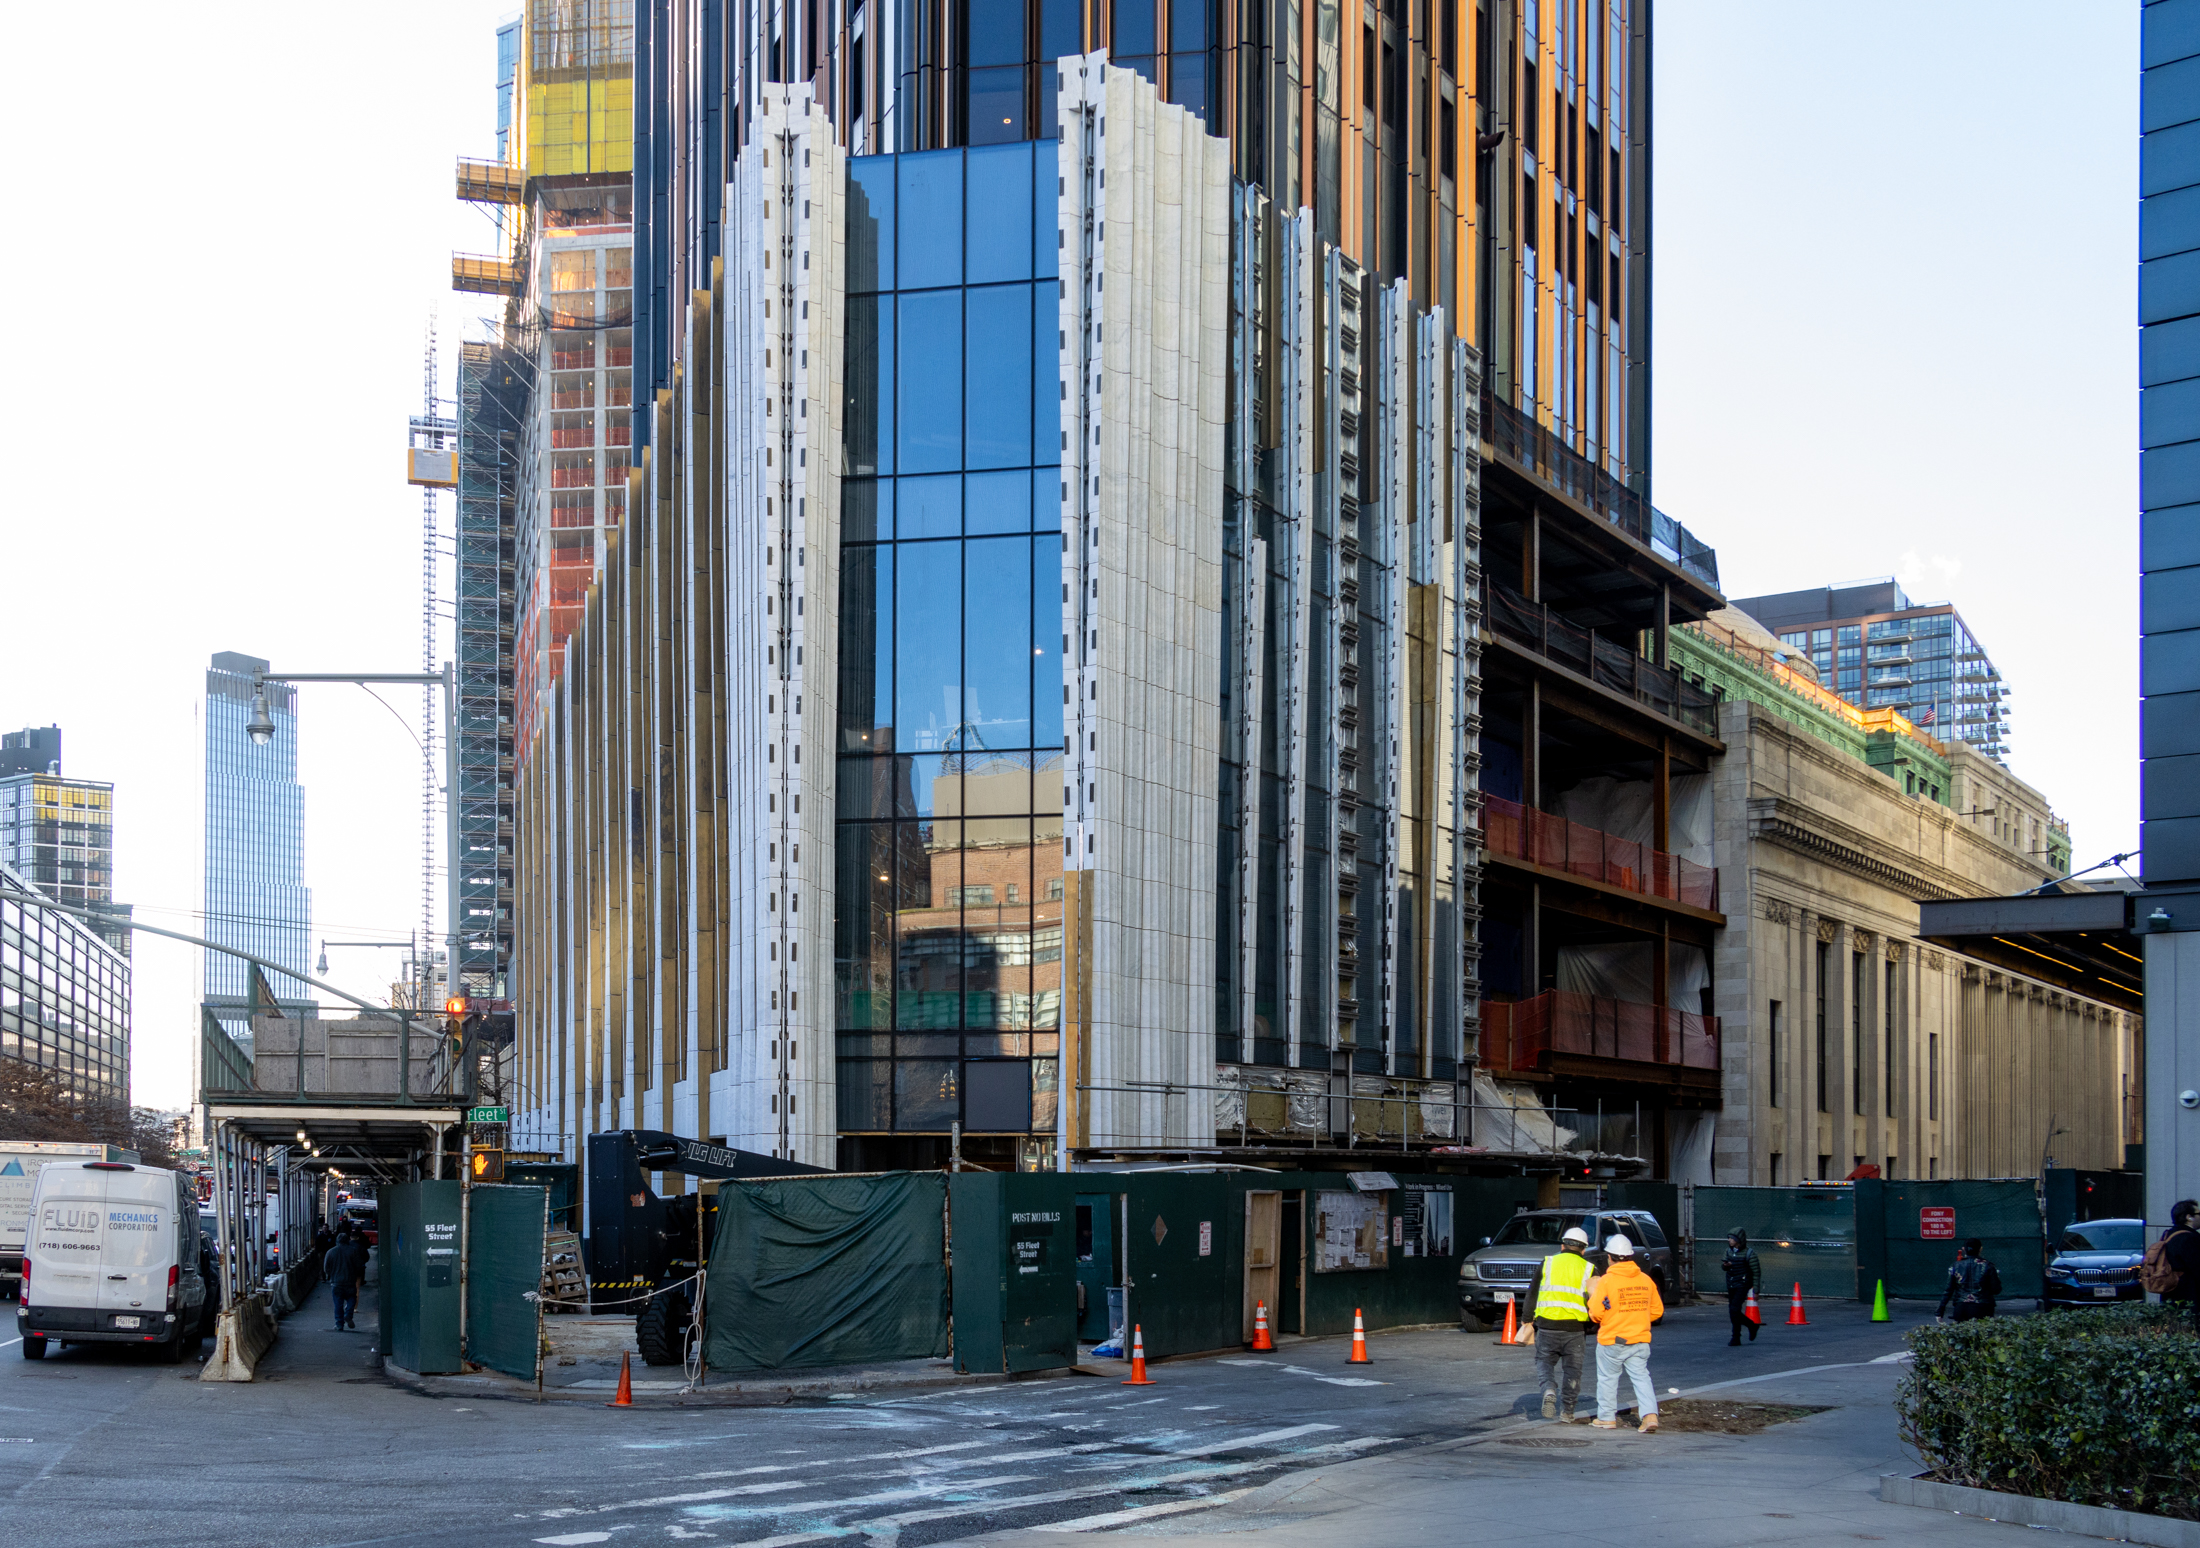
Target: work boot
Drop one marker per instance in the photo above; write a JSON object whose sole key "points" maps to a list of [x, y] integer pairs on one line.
{"points": [[1753, 1332], [1649, 1425], [1550, 1405], [1735, 1342], [1568, 1417]]}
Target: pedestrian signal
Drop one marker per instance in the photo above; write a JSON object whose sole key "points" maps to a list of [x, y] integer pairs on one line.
{"points": [[488, 1166]]}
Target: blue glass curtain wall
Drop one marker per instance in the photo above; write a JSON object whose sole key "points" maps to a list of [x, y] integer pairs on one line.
{"points": [[949, 927]]}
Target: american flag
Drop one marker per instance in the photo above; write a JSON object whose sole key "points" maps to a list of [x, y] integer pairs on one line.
{"points": [[1926, 719]]}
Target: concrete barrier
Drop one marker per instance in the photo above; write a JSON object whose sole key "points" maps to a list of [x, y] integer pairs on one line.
{"points": [[242, 1336], [2030, 1510]]}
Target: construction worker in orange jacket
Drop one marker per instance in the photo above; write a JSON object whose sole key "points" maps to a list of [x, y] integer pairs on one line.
{"points": [[1623, 1302]]}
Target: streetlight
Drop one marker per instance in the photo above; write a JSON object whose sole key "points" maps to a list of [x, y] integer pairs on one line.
{"points": [[262, 731]]}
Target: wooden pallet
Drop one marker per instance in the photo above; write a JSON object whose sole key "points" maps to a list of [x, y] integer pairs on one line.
{"points": [[564, 1286]]}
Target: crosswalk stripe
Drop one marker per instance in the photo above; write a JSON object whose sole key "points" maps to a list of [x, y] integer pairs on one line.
{"points": [[1265, 1438], [896, 1522], [872, 1456], [1138, 1513], [676, 1499]]}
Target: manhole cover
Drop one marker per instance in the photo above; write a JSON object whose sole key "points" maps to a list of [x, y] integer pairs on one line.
{"points": [[1544, 1442]]}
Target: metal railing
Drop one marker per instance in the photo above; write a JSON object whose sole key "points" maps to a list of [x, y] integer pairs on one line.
{"points": [[1519, 1035], [1607, 663], [1559, 844], [1531, 447]]}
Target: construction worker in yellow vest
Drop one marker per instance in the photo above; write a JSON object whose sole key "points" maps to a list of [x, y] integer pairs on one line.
{"points": [[1560, 1312]]}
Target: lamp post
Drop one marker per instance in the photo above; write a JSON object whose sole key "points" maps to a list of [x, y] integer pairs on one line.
{"points": [[261, 728]]}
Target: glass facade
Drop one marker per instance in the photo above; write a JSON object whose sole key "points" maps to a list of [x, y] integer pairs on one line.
{"points": [[64, 997], [1923, 662], [948, 951], [576, 445], [59, 834], [256, 897]]}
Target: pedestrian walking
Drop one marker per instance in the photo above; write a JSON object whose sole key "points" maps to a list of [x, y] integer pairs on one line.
{"points": [[1560, 1311], [1974, 1284], [344, 1268], [2172, 1266], [1623, 1302], [1743, 1275]]}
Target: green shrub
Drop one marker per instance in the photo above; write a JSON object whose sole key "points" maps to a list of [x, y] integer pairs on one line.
{"points": [[2099, 1406]]}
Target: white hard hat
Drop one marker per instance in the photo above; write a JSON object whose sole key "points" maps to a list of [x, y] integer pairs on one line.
{"points": [[1576, 1235], [1619, 1246]]}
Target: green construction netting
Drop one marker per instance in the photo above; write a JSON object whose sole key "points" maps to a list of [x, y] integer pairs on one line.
{"points": [[1802, 1236], [503, 1273], [827, 1271], [2004, 1215]]}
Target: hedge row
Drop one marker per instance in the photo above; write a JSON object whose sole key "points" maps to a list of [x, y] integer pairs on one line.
{"points": [[2099, 1406]]}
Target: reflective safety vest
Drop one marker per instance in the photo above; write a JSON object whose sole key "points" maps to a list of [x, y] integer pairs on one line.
{"points": [[1562, 1293]]}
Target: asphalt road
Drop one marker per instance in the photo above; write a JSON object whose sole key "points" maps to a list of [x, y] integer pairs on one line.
{"points": [[100, 1446]]}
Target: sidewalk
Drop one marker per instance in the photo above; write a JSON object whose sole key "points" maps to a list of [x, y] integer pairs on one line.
{"points": [[308, 1348], [1807, 1481]]}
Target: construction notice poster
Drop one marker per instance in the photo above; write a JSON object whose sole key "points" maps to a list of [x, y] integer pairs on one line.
{"points": [[1351, 1231], [1425, 1214], [1937, 1223]]}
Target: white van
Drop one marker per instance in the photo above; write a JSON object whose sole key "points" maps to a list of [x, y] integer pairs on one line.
{"points": [[113, 1256]]}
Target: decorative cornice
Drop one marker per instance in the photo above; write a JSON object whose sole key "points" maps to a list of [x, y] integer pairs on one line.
{"points": [[1781, 822]]}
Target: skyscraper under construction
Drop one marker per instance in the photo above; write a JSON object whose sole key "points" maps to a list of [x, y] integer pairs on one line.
{"points": [[1120, 493]]}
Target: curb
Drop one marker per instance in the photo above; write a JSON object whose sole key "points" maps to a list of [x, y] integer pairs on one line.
{"points": [[2030, 1510], [751, 1393]]}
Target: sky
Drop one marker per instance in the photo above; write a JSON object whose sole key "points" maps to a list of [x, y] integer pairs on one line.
{"points": [[1894, 335], [1895, 296]]}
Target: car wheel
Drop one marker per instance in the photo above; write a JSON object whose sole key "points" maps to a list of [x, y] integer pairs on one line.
{"points": [[34, 1349], [1470, 1323]]}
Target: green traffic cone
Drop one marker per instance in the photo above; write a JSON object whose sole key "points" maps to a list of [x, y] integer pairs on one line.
{"points": [[1879, 1304]]}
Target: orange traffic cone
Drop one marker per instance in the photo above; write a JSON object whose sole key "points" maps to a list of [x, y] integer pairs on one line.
{"points": [[1512, 1323], [1359, 1340], [1139, 1378], [1261, 1340], [1749, 1310], [625, 1395], [1796, 1319]]}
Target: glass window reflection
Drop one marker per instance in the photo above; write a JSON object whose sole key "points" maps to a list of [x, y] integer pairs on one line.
{"points": [[929, 219], [928, 638], [999, 213], [998, 380], [997, 648], [929, 401], [997, 502]]}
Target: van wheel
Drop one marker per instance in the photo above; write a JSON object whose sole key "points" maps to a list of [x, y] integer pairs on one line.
{"points": [[34, 1349], [171, 1350]]}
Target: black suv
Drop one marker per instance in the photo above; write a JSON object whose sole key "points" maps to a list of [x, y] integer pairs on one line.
{"points": [[1504, 1267]]}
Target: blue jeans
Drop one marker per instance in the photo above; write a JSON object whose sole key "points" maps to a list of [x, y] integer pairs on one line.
{"points": [[1634, 1359], [347, 1302]]}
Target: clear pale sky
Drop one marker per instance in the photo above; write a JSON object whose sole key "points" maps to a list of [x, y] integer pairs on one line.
{"points": [[1894, 335]]}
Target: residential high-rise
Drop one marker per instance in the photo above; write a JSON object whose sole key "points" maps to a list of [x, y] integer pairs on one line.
{"points": [[64, 996], [1879, 650], [57, 832], [1099, 531], [256, 897]]}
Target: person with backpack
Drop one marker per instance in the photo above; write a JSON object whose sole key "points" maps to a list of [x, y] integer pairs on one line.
{"points": [[2172, 1266], [1743, 1275], [1974, 1284]]}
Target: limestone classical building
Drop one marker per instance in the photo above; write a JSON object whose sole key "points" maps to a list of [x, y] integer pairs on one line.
{"points": [[1846, 1039]]}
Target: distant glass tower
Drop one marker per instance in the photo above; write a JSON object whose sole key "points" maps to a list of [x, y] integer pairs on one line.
{"points": [[256, 897]]}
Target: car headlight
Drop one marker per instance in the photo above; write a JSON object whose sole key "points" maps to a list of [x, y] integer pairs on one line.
{"points": [[2068, 1276], [1469, 1271]]}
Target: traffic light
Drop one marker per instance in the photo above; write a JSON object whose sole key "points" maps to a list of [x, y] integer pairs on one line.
{"points": [[488, 1166]]}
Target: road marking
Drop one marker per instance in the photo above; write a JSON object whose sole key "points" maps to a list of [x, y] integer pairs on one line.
{"points": [[11, 1343], [1804, 1370], [1265, 1438], [1142, 1513], [885, 1525], [572, 1538], [674, 1499], [874, 1456], [1300, 1370]]}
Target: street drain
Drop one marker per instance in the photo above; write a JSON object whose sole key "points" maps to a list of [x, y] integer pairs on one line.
{"points": [[1544, 1442]]}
